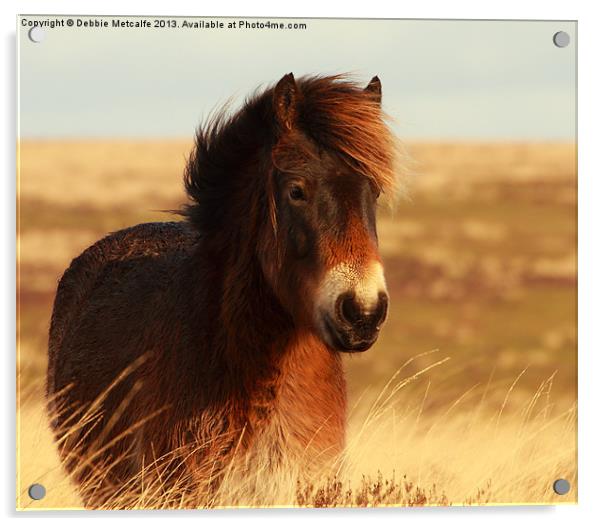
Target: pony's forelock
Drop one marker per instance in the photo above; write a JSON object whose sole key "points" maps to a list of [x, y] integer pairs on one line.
{"points": [[341, 116]]}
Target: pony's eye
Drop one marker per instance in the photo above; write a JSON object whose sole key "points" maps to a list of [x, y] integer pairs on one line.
{"points": [[296, 193]]}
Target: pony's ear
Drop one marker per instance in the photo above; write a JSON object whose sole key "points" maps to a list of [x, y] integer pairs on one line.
{"points": [[285, 101], [374, 89]]}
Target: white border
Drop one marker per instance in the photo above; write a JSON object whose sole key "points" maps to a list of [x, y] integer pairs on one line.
{"points": [[590, 260]]}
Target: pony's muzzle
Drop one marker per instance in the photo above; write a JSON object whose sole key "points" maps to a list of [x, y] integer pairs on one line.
{"points": [[354, 328], [352, 306]]}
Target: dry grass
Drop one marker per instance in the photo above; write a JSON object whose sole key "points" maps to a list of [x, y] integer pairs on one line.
{"points": [[466, 453], [481, 263]]}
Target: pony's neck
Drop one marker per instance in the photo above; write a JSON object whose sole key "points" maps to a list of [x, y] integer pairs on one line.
{"points": [[269, 365], [234, 311]]}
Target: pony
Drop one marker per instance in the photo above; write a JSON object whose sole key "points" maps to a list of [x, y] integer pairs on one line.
{"points": [[215, 341]]}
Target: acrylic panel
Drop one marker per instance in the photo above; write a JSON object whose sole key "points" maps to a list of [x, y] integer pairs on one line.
{"points": [[295, 262]]}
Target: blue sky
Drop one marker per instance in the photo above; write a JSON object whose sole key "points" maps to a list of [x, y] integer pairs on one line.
{"points": [[449, 80]]}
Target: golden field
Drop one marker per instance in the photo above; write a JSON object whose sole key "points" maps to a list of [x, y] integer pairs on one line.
{"points": [[469, 396]]}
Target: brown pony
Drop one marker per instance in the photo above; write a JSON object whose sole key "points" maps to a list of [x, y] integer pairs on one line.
{"points": [[217, 341]]}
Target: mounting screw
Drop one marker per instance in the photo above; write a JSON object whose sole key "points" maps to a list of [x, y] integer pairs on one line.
{"points": [[561, 486], [561, 39], [37, 491]]}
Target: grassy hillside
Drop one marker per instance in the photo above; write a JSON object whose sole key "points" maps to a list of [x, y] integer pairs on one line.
{"points": [[480, 261]]}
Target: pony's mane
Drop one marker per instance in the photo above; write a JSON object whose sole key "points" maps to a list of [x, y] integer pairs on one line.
{"points": [[334, 111]]}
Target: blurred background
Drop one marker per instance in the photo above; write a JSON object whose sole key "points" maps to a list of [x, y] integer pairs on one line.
{"points": [[480, 258]]}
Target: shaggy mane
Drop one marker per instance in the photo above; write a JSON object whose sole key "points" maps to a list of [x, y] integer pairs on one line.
{"points": [[334, 111]]}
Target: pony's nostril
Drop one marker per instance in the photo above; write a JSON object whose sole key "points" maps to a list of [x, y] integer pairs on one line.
{"points": [[348, 308], [381, 308], [350, 311]]}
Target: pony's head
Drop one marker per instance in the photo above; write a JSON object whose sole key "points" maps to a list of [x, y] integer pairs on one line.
{"points": [[295, 176], [331, 158]]}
